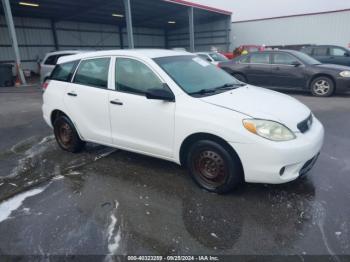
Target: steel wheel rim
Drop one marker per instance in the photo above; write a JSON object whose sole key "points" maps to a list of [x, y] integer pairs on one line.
{"points": [[322, 87], [65, 134], [210, 168]]}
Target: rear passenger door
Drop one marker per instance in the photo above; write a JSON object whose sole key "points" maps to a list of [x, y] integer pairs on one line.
{"points": [[258, 70], [87, 100]]}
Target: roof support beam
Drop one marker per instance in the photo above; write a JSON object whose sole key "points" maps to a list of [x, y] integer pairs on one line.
{"points": [[12, 32], [166, 38], [54, 34], [228, 32], [121, 38], [129, 28], [191, 28]]}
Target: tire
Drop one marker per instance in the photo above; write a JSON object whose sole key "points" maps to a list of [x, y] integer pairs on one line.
{"points": [[322, 86], [66, 135], [240, 77], [213, 168]]}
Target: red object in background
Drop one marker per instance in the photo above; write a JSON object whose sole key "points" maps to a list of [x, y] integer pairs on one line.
{"points": [[229, 55], [238, 51], [349, 45]]}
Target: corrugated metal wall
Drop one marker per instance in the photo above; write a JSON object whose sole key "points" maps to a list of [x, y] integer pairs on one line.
{"points": [[35, 38], [207, 35], [329, 28]]}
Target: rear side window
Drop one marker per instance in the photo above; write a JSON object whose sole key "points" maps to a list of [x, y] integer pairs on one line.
{"points": [[63, 72], [307, 50], [320, 51], [93, 72], [262, 58], [244, 59]]}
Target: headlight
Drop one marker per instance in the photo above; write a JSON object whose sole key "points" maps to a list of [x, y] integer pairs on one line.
{"points": [[269, 129], [345, 74]]}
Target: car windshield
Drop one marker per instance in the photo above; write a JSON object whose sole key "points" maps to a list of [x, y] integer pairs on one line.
{"points": [[218, 57], [196, 76], [307, 59]]}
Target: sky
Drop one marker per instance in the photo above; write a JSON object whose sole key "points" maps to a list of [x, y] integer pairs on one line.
{"points": [[255, 9]]}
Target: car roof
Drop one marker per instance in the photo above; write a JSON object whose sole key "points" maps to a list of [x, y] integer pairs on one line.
{"points": [[313, 46], [276, 51], [140, 53]]}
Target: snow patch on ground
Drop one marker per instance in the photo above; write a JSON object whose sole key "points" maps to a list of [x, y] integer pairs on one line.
{"points": [[113, 238], [28, 155], [12, 204]]}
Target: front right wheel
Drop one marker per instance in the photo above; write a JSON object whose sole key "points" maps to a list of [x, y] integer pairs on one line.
{"points": [[213, 168]]}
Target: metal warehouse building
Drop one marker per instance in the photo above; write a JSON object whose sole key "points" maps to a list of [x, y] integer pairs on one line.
{"points": [[33, 28], [317, 28]]}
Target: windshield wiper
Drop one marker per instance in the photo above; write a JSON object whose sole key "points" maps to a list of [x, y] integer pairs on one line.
{"points": [[228, 86], [203, 92]]}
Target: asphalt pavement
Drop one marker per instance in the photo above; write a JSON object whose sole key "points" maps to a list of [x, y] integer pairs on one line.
{"points": [[106, 201]]}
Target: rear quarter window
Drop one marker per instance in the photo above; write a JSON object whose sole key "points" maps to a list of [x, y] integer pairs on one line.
{"points": [[63, 72]]}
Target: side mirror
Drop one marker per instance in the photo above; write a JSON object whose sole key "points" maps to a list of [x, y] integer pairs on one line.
{"points": [[209, 60], [160, 94], [347, 54], [296, 63]]}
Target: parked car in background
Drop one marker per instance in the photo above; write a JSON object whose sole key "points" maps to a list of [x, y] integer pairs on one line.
{"points": [[242, 50], [213, 57], [329, 54], [50, 60], [179, 107], [289, 69]]}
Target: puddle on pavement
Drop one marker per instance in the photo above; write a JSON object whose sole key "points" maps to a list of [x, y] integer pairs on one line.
{"points": [[143, 205], [36, 160]]}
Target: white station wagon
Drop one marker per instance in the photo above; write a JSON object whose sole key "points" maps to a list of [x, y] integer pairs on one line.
{"points": [[175, 106]]}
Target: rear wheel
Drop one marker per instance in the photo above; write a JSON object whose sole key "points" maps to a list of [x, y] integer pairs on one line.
{"points": [[213, 167], [322, 86], [240, 77], [66, 135]]}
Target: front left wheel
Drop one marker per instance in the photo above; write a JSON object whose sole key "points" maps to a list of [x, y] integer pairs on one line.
{"points": [[213, 167], [322, 86], [66, 135]]}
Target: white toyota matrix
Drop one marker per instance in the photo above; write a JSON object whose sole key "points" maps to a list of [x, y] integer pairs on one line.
{"points": [[175, 106]]}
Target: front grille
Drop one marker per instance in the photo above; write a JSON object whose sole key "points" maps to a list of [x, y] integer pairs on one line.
{"points": [[306, 124]]}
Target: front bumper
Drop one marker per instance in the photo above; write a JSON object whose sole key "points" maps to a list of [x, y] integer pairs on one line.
{"points": [[343, 84], [280, 162]]}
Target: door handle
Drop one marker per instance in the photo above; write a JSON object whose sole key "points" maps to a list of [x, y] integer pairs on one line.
{"points": [[72, 94], [116, 102]]}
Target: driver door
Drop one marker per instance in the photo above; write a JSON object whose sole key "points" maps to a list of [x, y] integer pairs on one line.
{"points": [[140, 124]]}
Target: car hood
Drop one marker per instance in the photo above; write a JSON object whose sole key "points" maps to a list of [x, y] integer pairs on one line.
{"points": [[261, 103], [334, 67]]}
